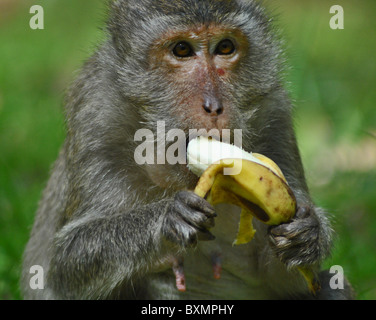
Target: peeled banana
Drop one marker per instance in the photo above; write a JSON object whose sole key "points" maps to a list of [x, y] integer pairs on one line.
{"points": [[251, 181], [203, 151]]}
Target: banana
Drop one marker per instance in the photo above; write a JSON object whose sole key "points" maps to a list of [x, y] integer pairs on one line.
{"points": [[250, 181], [255, 189], [202, 152]]}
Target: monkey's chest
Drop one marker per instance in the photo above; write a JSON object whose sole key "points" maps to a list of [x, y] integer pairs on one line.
{"points": [[217, 269]]}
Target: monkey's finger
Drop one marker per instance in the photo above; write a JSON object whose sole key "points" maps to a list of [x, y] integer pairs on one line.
{"points": [[303, 212], [297, 248], [192, 240], [209, 223], [198, 220], [186, 236], [295, 228], [205, 235], [280, 230], [202, 205], [192, 200], [193, 217]]}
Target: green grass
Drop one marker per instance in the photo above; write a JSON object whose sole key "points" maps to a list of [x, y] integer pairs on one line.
{"points": [[332, 81], [36, 66]]}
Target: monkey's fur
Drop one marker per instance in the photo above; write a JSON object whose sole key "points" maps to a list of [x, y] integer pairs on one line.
{"points": [[109, 228]]}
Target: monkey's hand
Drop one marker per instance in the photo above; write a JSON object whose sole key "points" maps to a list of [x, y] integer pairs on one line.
{"points": [[188, 219], [305, 240]]}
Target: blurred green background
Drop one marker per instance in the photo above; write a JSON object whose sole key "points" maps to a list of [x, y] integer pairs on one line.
{"points": [[332, 80]]}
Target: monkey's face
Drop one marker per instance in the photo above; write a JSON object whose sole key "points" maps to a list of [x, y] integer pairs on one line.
{"points": [[200, 65]]}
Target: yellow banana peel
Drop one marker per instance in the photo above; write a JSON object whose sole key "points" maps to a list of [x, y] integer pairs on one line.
{"points": [[255, 189], [252, 182]]}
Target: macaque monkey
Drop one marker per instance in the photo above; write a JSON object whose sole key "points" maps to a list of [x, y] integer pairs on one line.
{"points": [[110, 228]]}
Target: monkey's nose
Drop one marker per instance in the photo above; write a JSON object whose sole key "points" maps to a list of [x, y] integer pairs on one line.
{"points": [[213, 107]]}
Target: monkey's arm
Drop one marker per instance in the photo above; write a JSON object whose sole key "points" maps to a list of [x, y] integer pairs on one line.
{"points": [[95, 254], [307, 239]]}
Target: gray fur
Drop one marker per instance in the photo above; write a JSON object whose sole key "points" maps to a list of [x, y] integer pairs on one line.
{"points": [[106, 229]]}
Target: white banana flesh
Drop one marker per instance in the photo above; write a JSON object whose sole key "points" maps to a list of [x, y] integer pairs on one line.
{"points": [[203, 151]]}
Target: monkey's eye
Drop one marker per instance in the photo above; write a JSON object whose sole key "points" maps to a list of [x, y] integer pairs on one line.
{"points": [[183, 50], [225, 47]]}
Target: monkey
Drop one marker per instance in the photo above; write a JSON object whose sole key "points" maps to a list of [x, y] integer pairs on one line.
{"points": [[110, 228]]}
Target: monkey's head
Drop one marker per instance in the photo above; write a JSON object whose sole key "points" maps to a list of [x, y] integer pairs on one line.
{"points": [[194, 64]]}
